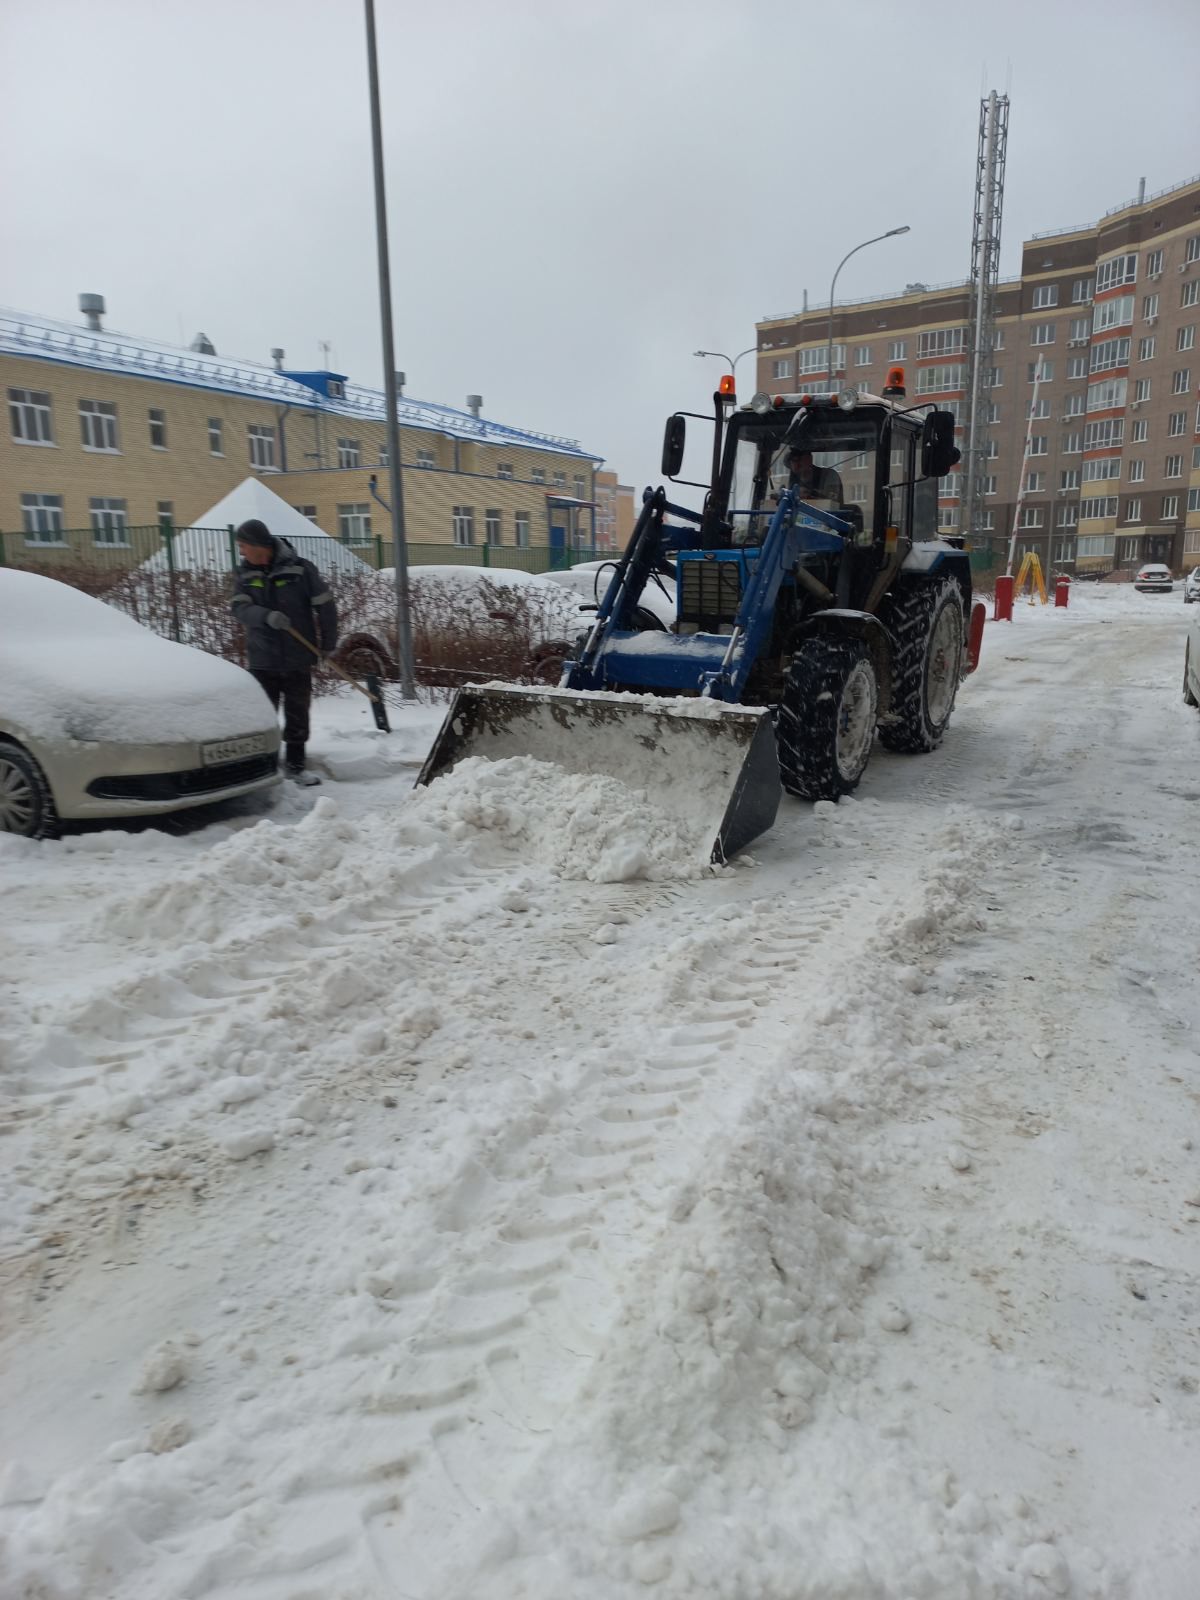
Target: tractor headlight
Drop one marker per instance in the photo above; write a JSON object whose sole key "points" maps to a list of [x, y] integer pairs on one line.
{"points": [[848, 399], [761, 402]]}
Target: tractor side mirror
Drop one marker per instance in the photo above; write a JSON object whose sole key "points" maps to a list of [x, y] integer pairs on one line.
{"points": [[674, 439], [938, 451]]}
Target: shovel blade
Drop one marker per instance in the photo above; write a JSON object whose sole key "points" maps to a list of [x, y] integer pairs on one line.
{"points": [[711, 765]]}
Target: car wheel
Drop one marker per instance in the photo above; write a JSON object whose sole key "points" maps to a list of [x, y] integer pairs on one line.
{"points": [[26, 804]]}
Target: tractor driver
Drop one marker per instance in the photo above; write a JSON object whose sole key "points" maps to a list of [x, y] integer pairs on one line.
{"points": [[813, 482]]}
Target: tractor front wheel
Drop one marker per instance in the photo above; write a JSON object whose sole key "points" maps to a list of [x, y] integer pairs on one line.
{"points": [[827, 718], [928, 632]]}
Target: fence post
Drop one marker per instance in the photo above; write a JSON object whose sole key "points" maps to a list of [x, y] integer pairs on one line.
{"points": [[233, 555], [487, 554], [3, 557], [168, 537], [378, 552]]}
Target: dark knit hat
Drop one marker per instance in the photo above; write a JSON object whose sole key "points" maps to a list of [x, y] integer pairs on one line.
{"points": [[255, 532]]}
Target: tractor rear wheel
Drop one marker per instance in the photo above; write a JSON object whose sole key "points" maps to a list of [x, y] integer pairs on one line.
{"points": [[928, 629], [827, 718]]}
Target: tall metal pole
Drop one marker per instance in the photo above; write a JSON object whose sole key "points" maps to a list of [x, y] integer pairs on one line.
{"points": [[399, 542], [890, 234]]}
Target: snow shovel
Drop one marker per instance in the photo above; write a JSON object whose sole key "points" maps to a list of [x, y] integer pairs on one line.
{"points": [[705, 764], [373, 689]]}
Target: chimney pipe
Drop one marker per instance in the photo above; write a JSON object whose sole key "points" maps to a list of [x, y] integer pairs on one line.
{"points": [[474, 402], [401, 380], [1141, 190], [92, 306], [277, 356], [806, 299]]}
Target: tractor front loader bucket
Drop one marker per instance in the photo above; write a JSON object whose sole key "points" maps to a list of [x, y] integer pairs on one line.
{"points": [[711, 766]]}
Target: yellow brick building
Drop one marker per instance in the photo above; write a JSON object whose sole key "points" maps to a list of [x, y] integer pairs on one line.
{"points": [[107, 433]]}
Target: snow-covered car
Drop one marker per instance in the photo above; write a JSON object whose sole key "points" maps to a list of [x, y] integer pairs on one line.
{"points": [[1191, 663], [1154, 576], [1191, 586], [590, 579], [99, 717]]}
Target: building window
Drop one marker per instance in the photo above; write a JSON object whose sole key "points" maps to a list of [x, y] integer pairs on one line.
{"points": [[993, 411], [987, 521], [1043, 333], [1176, 424], [307, 511], [1074, 406], [349, 454], [165, 511], [538, 475], [463, 523], [1133, 510], [1154, 264], [354, 524], [938, 380], [108, 521], [1181, 381], [1068, 516], [1192, 253], [158, 429], [898, 350], [862, 355], [29, 416], [1115, 271], [1076, 367], [1072, 444], [1149, 308], [992, 451], [216, 443], [1094, 510], [994, 378], [941, 342], [1041, 371], [1110, 353], [42, 518], [560, 480], [1137, 470], [1068, 480], [1173, 467], [1033, 516], [1102, 470], [1039, 408], [262, 446], [1108, 434], [1079, 331], [491, 527], [1193, 500], [989, 483], [504, 469], [521, 528], [1190, 294], [1170, 507], [579, 489], [1045, 296], [425, 457], [814, 360], [998, 339], [947, 516], [1141, 390], [1108, 396], [1096, 544], [1185, 338], [1196, 458], [782, 368], [1146, 349], [98, 425], [1081, 291], [1115, 313], [1140, 431], [1039, 445]]}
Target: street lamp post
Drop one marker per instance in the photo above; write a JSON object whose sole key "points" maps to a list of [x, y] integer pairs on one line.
{"points": [[890, 234], [732, 360]]}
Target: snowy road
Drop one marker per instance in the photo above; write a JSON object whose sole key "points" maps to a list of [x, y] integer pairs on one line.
{"points": [[391, 1211]]}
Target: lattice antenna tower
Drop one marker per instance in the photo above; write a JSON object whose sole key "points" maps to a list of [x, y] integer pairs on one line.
{"points": [[985, 273]]}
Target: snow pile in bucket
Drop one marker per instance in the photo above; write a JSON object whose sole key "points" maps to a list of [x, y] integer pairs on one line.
{"points": [[591, 827]]}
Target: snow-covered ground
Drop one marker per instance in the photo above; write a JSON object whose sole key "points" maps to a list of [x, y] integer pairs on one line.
{"points": [[390, 1209]]}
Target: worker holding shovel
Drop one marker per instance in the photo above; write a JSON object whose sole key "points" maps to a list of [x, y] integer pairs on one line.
{"points": [[285, 606]]}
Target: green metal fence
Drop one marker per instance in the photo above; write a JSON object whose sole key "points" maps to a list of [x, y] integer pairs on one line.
{"points": [[89, 558]]}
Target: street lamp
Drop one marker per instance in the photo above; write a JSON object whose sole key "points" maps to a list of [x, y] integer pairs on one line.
{"points": [[890, 234], [732, 360]]}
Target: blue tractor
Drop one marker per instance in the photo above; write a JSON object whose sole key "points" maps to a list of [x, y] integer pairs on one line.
{"points": [[815, 606]]}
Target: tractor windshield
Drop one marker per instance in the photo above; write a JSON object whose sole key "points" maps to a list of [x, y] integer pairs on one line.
{"points": [[829, 457]]}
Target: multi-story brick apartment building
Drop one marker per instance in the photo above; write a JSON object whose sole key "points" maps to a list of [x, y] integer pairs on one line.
{"points": [[1111, 310], [105, 432]]}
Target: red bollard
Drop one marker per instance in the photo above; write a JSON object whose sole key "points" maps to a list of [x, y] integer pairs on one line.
{"points": [[1004, 598], [1062, 592]]}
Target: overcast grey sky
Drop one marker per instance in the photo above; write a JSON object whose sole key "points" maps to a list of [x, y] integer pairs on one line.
{"points": [[581, 194]]}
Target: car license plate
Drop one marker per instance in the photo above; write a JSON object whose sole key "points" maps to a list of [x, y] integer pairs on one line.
{"points": [[251, 744]]}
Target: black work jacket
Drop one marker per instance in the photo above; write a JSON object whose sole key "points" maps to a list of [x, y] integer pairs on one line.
{"points": [[291, 585]]}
